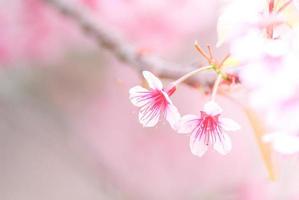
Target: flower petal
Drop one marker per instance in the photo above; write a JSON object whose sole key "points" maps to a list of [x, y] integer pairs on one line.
{"points": [[166, 96], [198, 147], [139, 96], [229, 124], [172, 115], [187, 124], [148, 117], [152, 80], [283, 143], [212, 108], [296, 2], [224, 146]]}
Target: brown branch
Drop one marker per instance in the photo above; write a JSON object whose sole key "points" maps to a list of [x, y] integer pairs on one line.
{"points": [[121, 49]]}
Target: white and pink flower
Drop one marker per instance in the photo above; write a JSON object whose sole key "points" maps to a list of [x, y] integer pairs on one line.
{"points": [[208, 129], [154, 102]]}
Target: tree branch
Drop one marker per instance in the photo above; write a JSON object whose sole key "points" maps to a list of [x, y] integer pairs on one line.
{"points": [[121, 49]]}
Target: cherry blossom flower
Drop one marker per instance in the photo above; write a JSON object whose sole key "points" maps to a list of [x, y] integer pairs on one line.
{"points": [[261, 16], [274, 93], [264, 39], [289, 109], [154, 103], [208, 129], [250, 15]]}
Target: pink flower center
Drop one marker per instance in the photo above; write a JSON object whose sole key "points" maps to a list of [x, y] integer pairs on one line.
{"points": [[209, 129], [156, 105]]}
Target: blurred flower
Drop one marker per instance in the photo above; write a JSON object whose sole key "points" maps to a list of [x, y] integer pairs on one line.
{"points": [[155, 102], [267, 51], [207, 129], [296, 2], [289, 109], [249, 15], [167, 22], [31, 30], [256, 15], [283, 142], [274, 61]]}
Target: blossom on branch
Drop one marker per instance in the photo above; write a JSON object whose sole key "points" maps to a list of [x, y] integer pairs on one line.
{"points": [[208, 129], [154, 102]]}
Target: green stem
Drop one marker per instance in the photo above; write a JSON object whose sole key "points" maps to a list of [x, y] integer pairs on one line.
{"points": [[186, 76]]}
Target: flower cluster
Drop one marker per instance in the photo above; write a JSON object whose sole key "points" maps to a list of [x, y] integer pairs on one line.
{"points": [[265, 39], [207, 129]]}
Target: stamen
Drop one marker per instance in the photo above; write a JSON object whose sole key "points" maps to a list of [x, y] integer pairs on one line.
{"points": [[209, 129], [202, 52], [155, 107]]}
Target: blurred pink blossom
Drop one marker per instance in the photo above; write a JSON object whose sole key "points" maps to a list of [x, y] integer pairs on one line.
{"points": [[268, 57], [283, 142], [31, 30], [157, 25]]}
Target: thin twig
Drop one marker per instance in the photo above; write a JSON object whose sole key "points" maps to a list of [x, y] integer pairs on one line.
{"points": [[122, 50]]}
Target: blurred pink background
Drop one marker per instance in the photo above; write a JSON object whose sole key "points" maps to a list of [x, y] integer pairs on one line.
{"points": [[68, 130]]}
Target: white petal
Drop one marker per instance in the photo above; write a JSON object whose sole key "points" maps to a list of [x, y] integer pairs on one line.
{"points": [[224, 146], [172, 115], [198, 147], [283, 143], [137, 96], [148, 117], [269, 137], [297, 4], [166, 96], [187, 123], [152, 80], [212, 108], [229, 124]]}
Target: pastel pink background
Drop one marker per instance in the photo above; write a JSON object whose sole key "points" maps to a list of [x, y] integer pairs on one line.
{"points": [[68, 130]]}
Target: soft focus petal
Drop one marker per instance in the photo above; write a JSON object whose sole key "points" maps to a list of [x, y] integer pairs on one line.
{"points": [[187, 124], [296, 2], [283, 143], [224, 146], [229, 124], [198, 147], [230, 27], [152, 80], [172, 115], [212, 108], [138, 96], [148, 117]]}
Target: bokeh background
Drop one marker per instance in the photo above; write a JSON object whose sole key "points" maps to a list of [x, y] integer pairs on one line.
{"points": [[68, 130]]}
